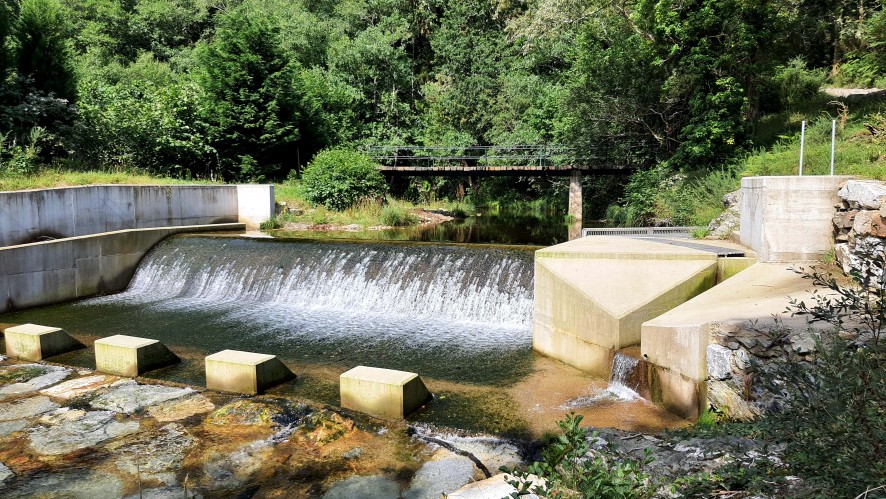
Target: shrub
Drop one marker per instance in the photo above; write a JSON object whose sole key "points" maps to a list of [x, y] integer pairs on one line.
{"points": [[338, 178], [570, 468], [796, 83], [396, 216], [835, 424]]}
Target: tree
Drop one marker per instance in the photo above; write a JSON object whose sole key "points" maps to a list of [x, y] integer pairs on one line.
{"points": [[251, 102], [43, 52]]}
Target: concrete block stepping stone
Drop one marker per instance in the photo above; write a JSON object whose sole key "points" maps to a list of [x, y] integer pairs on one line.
{"points": [[244, 372], [383, 393], [34, 342], [131, 356]]}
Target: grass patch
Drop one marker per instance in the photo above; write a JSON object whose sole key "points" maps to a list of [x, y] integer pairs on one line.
{"points": [[49, 177]]}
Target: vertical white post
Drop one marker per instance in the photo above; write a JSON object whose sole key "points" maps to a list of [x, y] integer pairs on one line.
{"points": [[833, 143], [802, 144]]}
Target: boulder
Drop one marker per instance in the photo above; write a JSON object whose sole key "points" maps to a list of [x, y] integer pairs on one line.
{"points": [[863, 222], [75, 483], [867, 194], [181, 408]]}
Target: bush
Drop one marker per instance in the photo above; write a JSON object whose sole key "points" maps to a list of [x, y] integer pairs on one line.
{"points": [[796, 83], [835, 425], [570, 468], [338, 178], [396, 216]]}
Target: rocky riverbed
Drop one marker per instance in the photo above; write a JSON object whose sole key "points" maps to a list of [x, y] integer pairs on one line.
{"points": [[78, 433]]}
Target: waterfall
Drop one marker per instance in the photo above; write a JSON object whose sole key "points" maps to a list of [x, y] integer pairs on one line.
{"points": [[622, 368], [448, 296]]}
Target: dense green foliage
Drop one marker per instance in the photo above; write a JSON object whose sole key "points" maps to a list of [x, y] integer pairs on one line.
{"points": [[570, 468], [252, 89], [339, 178]]}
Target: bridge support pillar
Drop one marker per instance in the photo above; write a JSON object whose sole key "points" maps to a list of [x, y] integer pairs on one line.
{"points": [[575, 206]]}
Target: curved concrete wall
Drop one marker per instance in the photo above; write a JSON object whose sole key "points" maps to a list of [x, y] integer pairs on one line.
{"points": [[25, 216], [77, 267]]}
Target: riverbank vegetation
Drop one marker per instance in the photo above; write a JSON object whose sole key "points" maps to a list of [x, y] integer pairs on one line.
{"points": [[252, 90]]}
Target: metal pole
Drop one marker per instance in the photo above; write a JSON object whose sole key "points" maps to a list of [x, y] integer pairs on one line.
{"points": [[802, 144], [833, 142]]}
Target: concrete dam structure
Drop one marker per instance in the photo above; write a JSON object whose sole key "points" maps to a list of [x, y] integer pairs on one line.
{"points": [[597, 295], [73, 242]]}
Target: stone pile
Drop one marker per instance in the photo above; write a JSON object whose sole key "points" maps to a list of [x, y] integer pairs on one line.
{"points": [[860, 223]]}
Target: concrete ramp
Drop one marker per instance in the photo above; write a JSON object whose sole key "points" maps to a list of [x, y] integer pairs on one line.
{"points": [[593, 294], [675, 343]]}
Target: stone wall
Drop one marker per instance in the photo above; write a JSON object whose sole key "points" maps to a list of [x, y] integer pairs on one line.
{"points": [[738, 354], [860, 222]]}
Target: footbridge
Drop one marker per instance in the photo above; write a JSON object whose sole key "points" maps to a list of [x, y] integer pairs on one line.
{"points": [[523, 160]]}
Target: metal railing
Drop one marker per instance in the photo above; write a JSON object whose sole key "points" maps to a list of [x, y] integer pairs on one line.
{"points": [[638, 231], [473, 156]]}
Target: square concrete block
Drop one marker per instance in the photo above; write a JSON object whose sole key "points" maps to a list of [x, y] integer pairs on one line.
{"points": [[34, 342], [130, 356], [383, 393], [244, 372]]}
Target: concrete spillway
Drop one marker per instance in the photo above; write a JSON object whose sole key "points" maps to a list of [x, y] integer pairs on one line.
{"points": [[593, 294], [446, 311]]}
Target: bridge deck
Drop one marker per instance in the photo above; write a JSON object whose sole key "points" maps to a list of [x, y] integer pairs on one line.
{"points": [[499, 170]]}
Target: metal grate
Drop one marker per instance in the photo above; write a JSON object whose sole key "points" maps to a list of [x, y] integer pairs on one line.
{"points": [[639, 231]]}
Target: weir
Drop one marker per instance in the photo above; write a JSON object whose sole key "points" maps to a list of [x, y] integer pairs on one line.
{"points": [[446, 311]]}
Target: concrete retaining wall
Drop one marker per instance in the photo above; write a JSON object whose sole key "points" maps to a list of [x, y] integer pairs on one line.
{"points": [[25, 216], [789, 219], [77, 267]]}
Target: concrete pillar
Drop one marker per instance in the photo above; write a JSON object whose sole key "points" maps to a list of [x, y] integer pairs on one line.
{"points": [[575, 194], [244, 372], [384, 393], [131, 356], [34, 342]]}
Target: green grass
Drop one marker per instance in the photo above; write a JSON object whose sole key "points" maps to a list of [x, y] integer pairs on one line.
{"points": [[394, 212], [57, 177]]}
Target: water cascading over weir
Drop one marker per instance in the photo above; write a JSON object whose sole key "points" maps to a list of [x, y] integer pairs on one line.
{"points": [[446, 311]]}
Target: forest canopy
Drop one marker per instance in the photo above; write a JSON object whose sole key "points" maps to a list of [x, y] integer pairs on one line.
{"points": [[248, 90]]}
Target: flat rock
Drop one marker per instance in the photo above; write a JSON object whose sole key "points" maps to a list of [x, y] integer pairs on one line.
{"points": [[69, 430], [154, 455], [30, 378], [364, 487], [93, 485], [492, 452], [165, 493], [80, 386], [438, 478], [233, 469], [8, 427], [178, 409], [128, 396], [26, 408], [495, 487], [4, 474]]}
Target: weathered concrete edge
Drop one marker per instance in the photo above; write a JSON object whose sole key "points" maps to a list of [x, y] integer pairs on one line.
{"points": [[63, 212], [67, 269]]}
